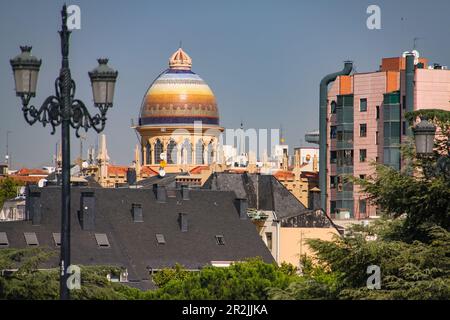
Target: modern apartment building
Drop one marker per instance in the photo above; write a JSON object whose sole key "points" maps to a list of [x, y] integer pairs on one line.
{"points": [[365, 123]]}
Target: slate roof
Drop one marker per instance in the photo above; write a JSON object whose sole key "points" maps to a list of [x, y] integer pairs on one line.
{"points": [[169, 180], [133, 245], [269, 194]]}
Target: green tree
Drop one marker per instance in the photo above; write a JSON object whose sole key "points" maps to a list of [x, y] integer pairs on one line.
{"points": [[8, 189], [28, 282], [241, 281], [423, 200]]}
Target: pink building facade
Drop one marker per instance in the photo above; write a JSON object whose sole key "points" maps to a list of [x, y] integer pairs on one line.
{"points": [[366, 124]]}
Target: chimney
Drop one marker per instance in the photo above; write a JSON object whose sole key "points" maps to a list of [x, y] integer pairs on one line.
{"points": [[136, 209], [409, 85], [161, 194], [242, 206], [34, 205], [185, 192], [131, 176], [87, 211], [183, 220]]}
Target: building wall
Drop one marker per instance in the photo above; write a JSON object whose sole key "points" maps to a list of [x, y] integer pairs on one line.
{"points": [[432, 89], [384, 89], [269, 227], [293, 242], [370, 86]]}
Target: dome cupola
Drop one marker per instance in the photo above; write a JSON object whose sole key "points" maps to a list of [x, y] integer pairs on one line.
{"points": [[179, 97]]}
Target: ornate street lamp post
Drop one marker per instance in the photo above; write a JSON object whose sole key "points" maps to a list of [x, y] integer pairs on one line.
{"points": [[424, 133], [63, 109]]}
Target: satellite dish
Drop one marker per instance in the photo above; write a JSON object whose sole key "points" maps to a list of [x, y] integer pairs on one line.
{"points": [[162, 172], [42, 183], [84, 165]]}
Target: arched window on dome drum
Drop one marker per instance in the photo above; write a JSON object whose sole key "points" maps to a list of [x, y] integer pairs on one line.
{"points": [[210, 153], [158, 151], [172, 152], [148, 153], [186, 152], [199, 151]]}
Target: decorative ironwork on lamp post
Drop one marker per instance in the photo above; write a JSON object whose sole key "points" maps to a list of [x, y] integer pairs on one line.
{"points": [[63, 109], [424, 133]]}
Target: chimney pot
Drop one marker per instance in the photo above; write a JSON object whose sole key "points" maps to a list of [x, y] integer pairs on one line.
{"points": [[137, 212], [183, 220], [34, 205], [185, 192], [87, 214], [242, 208], [160, 192]]}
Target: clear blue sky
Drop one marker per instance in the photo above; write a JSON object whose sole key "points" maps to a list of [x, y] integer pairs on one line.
{"points": [[263, 59]]}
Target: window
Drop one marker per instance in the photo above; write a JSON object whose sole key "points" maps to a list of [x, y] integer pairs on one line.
{"points": [[102, 240], [31, 239], [333, 132], [345, 158], [199, 152], [333, 181], [333, 207], [363, 130], [220, 240], [333, 107], [57, 239], [160, 238], [148, 153], [172, 151], [376, 138], [378, 112], [158, 151], [3, 240], [362, 155], [362, 176], [362, 206], [363, 105], [333, 157], [404, 102], [404, 127], [269, 240]]}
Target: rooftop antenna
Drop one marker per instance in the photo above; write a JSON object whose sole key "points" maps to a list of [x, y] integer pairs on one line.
{"points": [[242, 140], [415, 42], [181, 44], [82, 137], [281, 135], [7, 157]]}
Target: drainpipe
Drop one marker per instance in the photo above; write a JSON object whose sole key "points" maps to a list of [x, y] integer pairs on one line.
{"points": [[409, 85], [278, 242], [348, 66]]}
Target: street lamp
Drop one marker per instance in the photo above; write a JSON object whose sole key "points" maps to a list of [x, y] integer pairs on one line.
{"points": [[424, 133], [63, 109]]}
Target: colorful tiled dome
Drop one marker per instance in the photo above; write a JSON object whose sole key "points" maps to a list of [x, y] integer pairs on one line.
{"points": [[179, 96]]}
